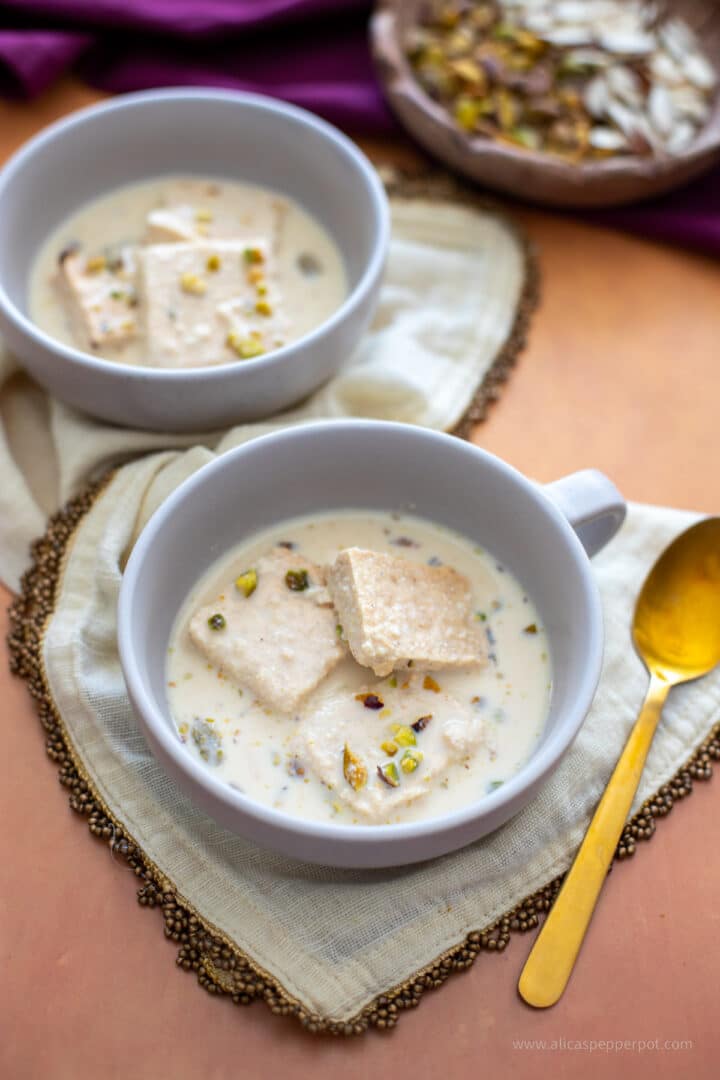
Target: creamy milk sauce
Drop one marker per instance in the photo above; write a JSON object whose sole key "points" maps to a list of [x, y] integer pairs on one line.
{"points": [[310, 272], [511, 692]]}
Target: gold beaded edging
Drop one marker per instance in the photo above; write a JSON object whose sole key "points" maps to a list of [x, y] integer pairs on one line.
{"points": [[221, 967], [430, 183]]}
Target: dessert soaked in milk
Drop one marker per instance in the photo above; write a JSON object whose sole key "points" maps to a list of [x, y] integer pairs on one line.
{"points": [[359, 667], [182, 272]]}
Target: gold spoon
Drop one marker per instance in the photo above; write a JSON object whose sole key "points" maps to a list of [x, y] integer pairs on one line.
{"points": [[676, 630]]}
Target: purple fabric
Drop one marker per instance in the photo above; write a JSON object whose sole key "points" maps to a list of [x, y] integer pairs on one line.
{"points": [[310, 52], [689, 216], [31, 59]]}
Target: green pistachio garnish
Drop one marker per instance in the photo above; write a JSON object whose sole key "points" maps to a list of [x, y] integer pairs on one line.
{"points": [[389, 774], [96, 264], [247, 582], [207, 741], [253, 255], [389, 748], [411, 760], [404, 736], [246, 347], [217, 621], [297, 580], [353, 769]]}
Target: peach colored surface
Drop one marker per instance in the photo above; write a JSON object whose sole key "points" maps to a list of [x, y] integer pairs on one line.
{"points": [[621, 372]]}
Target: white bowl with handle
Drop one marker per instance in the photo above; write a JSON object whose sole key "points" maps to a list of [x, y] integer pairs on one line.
{"points": [[543, 535], [217, 133]]}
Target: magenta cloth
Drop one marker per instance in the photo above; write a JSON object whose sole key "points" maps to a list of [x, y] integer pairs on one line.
{"points": [[313, 53]]}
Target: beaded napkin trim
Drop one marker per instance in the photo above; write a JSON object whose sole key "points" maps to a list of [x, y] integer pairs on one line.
{"points": [[221, 967]]}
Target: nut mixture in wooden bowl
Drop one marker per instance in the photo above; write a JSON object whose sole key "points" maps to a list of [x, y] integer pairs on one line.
{"points": [[580, 79]]}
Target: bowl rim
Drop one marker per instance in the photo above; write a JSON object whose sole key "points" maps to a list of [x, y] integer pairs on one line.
{"points": [[23, 159], [400, 84], [543, 758]]}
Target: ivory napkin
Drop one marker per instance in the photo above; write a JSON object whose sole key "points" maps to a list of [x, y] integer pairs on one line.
{"points": [[336, 939]]}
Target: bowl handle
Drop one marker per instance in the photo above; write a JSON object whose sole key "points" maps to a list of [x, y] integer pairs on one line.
{"points": [[591, 503]]}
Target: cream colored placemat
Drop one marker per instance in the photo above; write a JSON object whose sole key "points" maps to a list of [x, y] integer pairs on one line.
{"points": [[457, 295], [325, 942]]}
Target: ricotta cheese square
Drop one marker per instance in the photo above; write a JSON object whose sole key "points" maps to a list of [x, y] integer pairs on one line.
{"points": [[208, 302], [101, 298], [194, 210], [394, 612], [380, 757], [278, 642]]}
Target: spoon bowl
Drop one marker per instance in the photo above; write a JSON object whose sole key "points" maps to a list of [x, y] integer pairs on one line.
{"points": [[676, 628]]}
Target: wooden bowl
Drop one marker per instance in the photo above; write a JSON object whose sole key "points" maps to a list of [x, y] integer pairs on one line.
{"points": [[530, 174]]}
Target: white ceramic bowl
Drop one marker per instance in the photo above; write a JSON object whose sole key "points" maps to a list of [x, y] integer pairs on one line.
{"points": [[382, 466], [206, 132]]}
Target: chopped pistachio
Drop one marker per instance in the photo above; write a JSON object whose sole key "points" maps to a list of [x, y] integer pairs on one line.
{"points": [[467, 112], [245, 347], [192, 284], [470, 72], [262, 307], [430, 684], [203, 214], [339, 630], [392, 681], [297, 580], [213, 263], [261, 288], [410, 760], [404, 736], [504, 32], [526, 136], [531, 628], [253, 255], [256, 275], [353, 769], [207, 741], [388, 773], [217, 621], [507, 108], [95, 264], [247, 583], [388, 747]]}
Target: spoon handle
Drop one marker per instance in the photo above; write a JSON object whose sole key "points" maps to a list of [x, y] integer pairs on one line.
{"points": [[552, 958]]}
